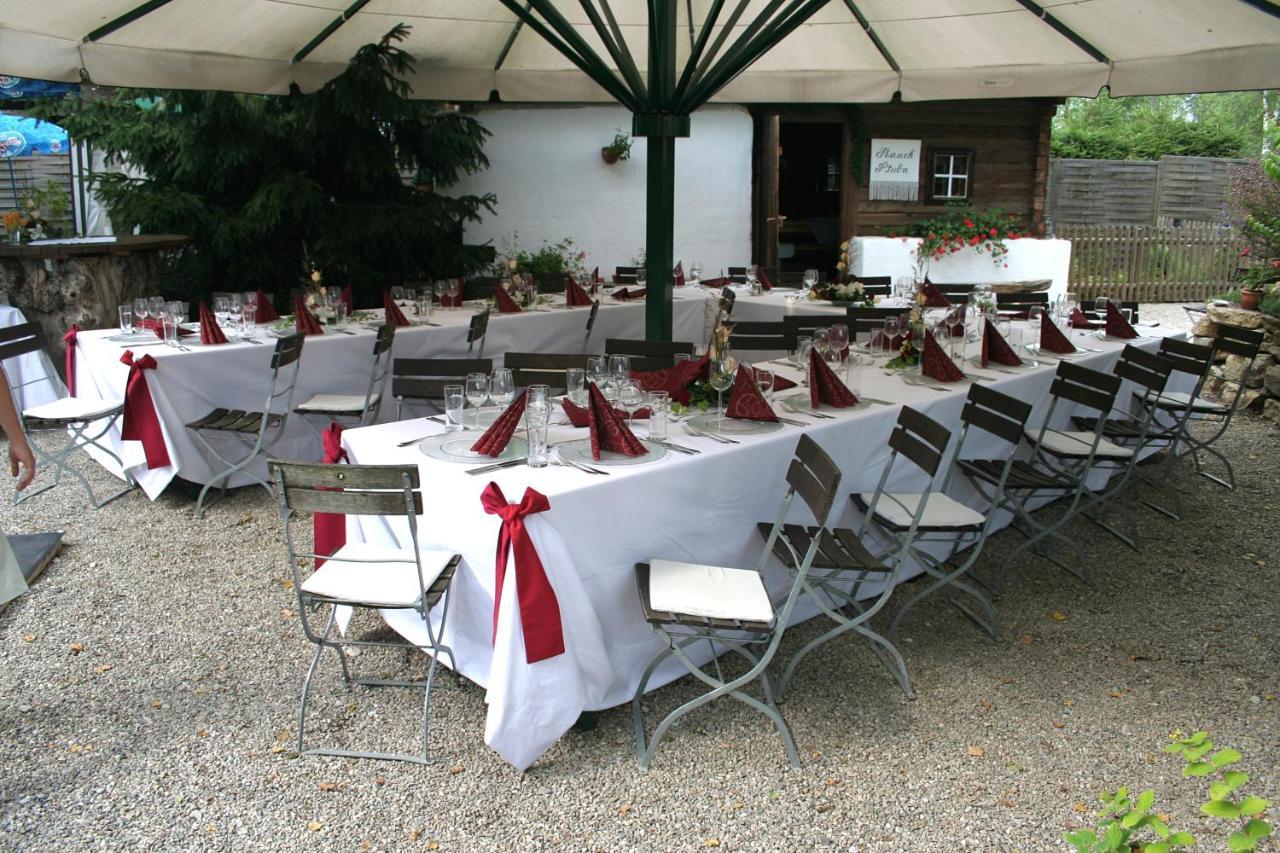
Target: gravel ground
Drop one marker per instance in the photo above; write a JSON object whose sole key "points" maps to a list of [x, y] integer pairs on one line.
{"points": [[150, 679]]}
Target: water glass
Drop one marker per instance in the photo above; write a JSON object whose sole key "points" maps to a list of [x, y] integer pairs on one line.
{"points": [[853, 373], [126, 319], [169, 326], [454, 403], [764, 381], [397, 294], [575, 385], [659, 408], [801, 357], [539, 393], [695, 270], [536, 416], [424, 305], [221, 310], [477, 392]]}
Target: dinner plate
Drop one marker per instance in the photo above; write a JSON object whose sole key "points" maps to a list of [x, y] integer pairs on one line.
{"points": [[912, 377], [580, 451], [456, 447], [712, 422], [1034, 350], [976, 361], [135, 338]]}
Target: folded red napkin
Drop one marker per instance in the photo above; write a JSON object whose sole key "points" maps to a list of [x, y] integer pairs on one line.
{"points": [[996, 348], [1079, 321], [264, 311], [678, 275], [723, 281], [498, 435], [624, 294], [394, 315], [209, 331], [1051, 337], [674, 381], [934, 298], [348, 299], [825, 386], [781, 383], [574, 294], [745, 400], [506, 305], [763, 277], [578, 415], [608, 430], [158, 328], [303, 320], [936, 364], [1117, 325]]}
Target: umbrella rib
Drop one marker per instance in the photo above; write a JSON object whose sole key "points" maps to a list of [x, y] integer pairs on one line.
{"points": [[1064, 31], [511, 40], [695, 55], [873, 35], [332, 28], [1264, 6], [709, 57], [617, 45], [126, 19]]}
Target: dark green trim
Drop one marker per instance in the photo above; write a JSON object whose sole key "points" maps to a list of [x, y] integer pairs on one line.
{"points": [[1063, 30], [659, 234], [873, 35], [126, 19], [330, 30]]}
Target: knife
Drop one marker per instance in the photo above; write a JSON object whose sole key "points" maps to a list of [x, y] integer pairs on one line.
{"points": [[498, 466]]}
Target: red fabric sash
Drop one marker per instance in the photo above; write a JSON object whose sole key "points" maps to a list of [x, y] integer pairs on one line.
{"points": [[330, 528], [141, 423], [539, 609], [70, 340]]}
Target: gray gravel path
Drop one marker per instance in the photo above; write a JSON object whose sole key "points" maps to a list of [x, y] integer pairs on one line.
{"points": [[149, 681]]}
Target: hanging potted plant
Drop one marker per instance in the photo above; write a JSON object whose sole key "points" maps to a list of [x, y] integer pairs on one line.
{"points": [[618, 149]]}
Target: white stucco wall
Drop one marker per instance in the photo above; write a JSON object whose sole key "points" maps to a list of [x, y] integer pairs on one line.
{"points": [[551, 183]]}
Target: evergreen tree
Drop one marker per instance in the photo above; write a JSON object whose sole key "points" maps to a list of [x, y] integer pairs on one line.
{"points": [[270, 187]]}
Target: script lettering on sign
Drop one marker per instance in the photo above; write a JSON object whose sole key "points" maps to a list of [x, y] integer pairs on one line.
{"points": [[895, 170]]}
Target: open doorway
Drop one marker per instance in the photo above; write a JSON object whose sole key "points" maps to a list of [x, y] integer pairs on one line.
{"points": [[810, 181]]}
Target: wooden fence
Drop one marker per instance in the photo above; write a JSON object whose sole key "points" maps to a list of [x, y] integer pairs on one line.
{"points": [[1151, 263], [1139, 192]]}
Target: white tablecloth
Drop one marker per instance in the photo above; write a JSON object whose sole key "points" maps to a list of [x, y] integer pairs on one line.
{"points": [[32, 377], [698, 508], [187, 385]]}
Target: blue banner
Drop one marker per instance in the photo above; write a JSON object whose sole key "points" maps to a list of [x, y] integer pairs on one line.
{"points": [[13, 88], [21, 136]]}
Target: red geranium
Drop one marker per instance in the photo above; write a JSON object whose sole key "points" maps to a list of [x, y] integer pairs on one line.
{"points": [[968, 223], [973, 241]]}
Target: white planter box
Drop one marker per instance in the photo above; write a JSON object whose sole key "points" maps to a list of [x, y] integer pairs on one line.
{"points": [[1027, 260]]}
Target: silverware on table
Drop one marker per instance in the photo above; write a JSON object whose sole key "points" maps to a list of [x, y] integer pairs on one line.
{"points": [[498, 466], [678, 448], [790, 422], [875, 402], [581, 466], [723, 439]]}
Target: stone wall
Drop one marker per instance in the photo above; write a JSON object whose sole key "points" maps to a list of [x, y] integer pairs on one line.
{"points": [[1262, 384]]}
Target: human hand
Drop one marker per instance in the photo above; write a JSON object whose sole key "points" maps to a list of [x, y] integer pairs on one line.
{"points": [[21, 457]]}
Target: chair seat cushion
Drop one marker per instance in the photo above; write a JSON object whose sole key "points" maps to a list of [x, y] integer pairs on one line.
{"points": [[72, 409], [1077, 443], [331, 403], [710, 591], [898, 508], [1179, 399], [386, 583]]}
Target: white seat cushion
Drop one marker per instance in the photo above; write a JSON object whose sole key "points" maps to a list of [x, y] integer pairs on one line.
{"points": [[382, 584], [80, 408], [939, 511], [1073, 443], [710, 591], [337, 403], [1179, 400]]}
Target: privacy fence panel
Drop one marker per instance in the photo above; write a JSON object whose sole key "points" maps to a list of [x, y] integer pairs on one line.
{"points": [[1137, 192], [1151, 263]]}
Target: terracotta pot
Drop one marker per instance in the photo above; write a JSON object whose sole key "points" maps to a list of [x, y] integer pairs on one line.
{"points": [[608, 156], [1249, 299]]}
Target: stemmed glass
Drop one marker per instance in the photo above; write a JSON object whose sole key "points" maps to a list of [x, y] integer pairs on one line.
{"points": [[452, 288], [502, 388], [810, 279], [575, 385], [441, 287], [597, 368], [822, 340], [397, 294], [721, 380], [620, 367], [631, 398], [221, 311], [764, 381], [839, 335], [477, 392], [155, 306], [695, 270]]}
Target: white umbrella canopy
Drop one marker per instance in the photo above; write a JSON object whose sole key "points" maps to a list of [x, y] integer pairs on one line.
{"points": [[848, 50]]}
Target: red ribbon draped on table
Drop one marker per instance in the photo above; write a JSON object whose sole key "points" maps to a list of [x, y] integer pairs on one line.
{"points": [[539, 609], [70, 340], [330, 528], [141, 423]]}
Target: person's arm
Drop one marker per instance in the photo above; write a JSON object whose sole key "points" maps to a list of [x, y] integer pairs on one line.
{"points": [[22, 462]]}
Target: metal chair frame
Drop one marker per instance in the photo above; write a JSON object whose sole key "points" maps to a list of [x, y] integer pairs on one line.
{"points": [[305, 487], [476, 330], [815, 478], [378, 370], [28, 338], [591, 323], [285, 362]]}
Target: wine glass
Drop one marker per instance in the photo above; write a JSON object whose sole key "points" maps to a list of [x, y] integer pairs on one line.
{"points": [[839, 334], [810, 279], [502, 389], [695, 270], [631, 397], [822, 340], [598, 369], [477, 392], [141, 310], [155, 306], [620, 366], [397, 294], [441, 287], [764, 381], [221, 310], [721, 379]]}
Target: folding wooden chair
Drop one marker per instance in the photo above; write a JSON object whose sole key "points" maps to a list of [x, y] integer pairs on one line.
{"points": [[355, 409], [542, 368], [252, 431], [591, 322], [666, 350], [687, 603], [79, 421], [737, 275], [476, 330], [761, 336], [363, 576], [422, 380], [626, 275]]}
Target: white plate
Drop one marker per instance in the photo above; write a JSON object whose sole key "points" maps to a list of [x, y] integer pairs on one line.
{"points": [[976, 361], [135, 338], [1034, 349], [711, 422], [456, 447], [911, 377], [580, 451]]}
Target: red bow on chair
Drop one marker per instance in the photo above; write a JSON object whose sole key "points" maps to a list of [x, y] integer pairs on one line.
{"points": [[70, 340], [141, 423], [539, 609], [330, 528]]}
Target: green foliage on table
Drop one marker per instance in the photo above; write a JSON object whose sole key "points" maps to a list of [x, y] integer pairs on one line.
{"points": [[551, 259], [1215, 124], [1131, 824], [962, 227], [270, 187]]}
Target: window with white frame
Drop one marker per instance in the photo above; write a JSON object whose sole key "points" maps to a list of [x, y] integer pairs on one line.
{"points": [[951, 175]]}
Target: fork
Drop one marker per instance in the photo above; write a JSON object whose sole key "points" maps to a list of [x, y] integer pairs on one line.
{"points": [[714, 437], [569, 463]]}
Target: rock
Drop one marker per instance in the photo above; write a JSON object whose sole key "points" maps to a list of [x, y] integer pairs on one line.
{"points": [[1235, 316], [1252, 399], [1271, 380], [1271, 410], [1204, 328], [1235, 367]]}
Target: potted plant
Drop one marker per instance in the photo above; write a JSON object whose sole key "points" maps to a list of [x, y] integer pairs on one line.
{"points": [[1257, 280], [618, 149]]}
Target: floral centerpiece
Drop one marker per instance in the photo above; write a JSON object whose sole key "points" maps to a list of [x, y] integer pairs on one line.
{"points": [[702, 396], [912, 346], [12, 224], [846, 289], [318, 299]]}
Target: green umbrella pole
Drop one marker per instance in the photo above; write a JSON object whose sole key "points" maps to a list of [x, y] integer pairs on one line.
{"points": [[662, 132]]}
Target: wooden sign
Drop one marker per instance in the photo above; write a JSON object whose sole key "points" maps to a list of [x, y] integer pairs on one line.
{"points": [[895, 170]]}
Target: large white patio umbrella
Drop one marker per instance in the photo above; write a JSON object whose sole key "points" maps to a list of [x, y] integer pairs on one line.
{"points": [[662, 59]]}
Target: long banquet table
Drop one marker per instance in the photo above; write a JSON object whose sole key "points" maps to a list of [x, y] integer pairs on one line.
{"points": [[186, 385], [697, 508]]}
